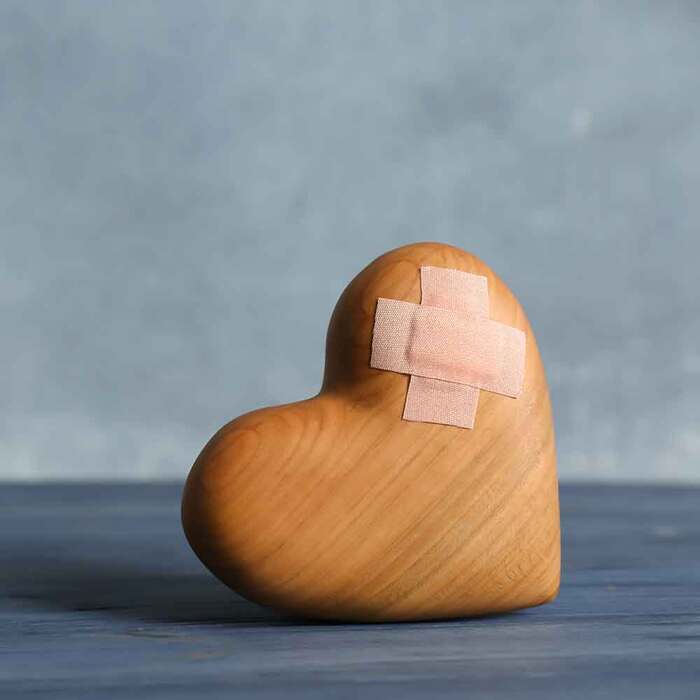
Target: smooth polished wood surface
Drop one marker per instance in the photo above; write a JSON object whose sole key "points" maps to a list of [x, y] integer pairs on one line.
{"points": [[335, 507], [100, 597]]}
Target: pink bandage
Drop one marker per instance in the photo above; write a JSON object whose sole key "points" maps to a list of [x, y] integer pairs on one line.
{"points": [[449, 346]]}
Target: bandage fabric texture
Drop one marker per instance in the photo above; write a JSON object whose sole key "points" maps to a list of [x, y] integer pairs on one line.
{"points": [[449, 346]]}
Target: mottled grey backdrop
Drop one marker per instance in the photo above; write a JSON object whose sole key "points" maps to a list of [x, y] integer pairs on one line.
{"points": [[185, 189]]}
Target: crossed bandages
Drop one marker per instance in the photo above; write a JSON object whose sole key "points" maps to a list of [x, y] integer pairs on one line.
{"points": [[449, 346]]}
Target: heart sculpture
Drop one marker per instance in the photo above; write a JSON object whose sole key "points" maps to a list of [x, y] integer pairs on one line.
{"points": [[336, 507]]}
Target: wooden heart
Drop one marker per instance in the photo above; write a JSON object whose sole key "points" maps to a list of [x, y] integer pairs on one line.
{"points": [[334, 507]]}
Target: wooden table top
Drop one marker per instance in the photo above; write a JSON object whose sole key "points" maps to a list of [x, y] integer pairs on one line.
{"points": [[100, 596]]}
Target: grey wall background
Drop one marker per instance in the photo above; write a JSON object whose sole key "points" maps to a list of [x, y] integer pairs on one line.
{"points": [[171, 171]]}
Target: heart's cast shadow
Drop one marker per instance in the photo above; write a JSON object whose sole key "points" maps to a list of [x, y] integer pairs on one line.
{"points": [[48, 579]]}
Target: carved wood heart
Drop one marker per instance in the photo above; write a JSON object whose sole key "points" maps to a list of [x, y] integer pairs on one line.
{"points": [[334, 507]]}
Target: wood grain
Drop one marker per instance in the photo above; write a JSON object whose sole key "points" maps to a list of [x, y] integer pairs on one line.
{"points": [[336, 508]]}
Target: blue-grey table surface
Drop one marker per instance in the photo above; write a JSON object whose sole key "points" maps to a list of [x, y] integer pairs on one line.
{"points": [[101, 597]]}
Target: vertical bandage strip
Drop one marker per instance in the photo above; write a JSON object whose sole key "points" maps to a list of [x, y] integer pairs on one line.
{"points": [[449, 346], [435, 400]]}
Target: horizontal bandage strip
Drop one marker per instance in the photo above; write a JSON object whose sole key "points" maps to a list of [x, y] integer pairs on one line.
{"points": [[446, 344]]}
